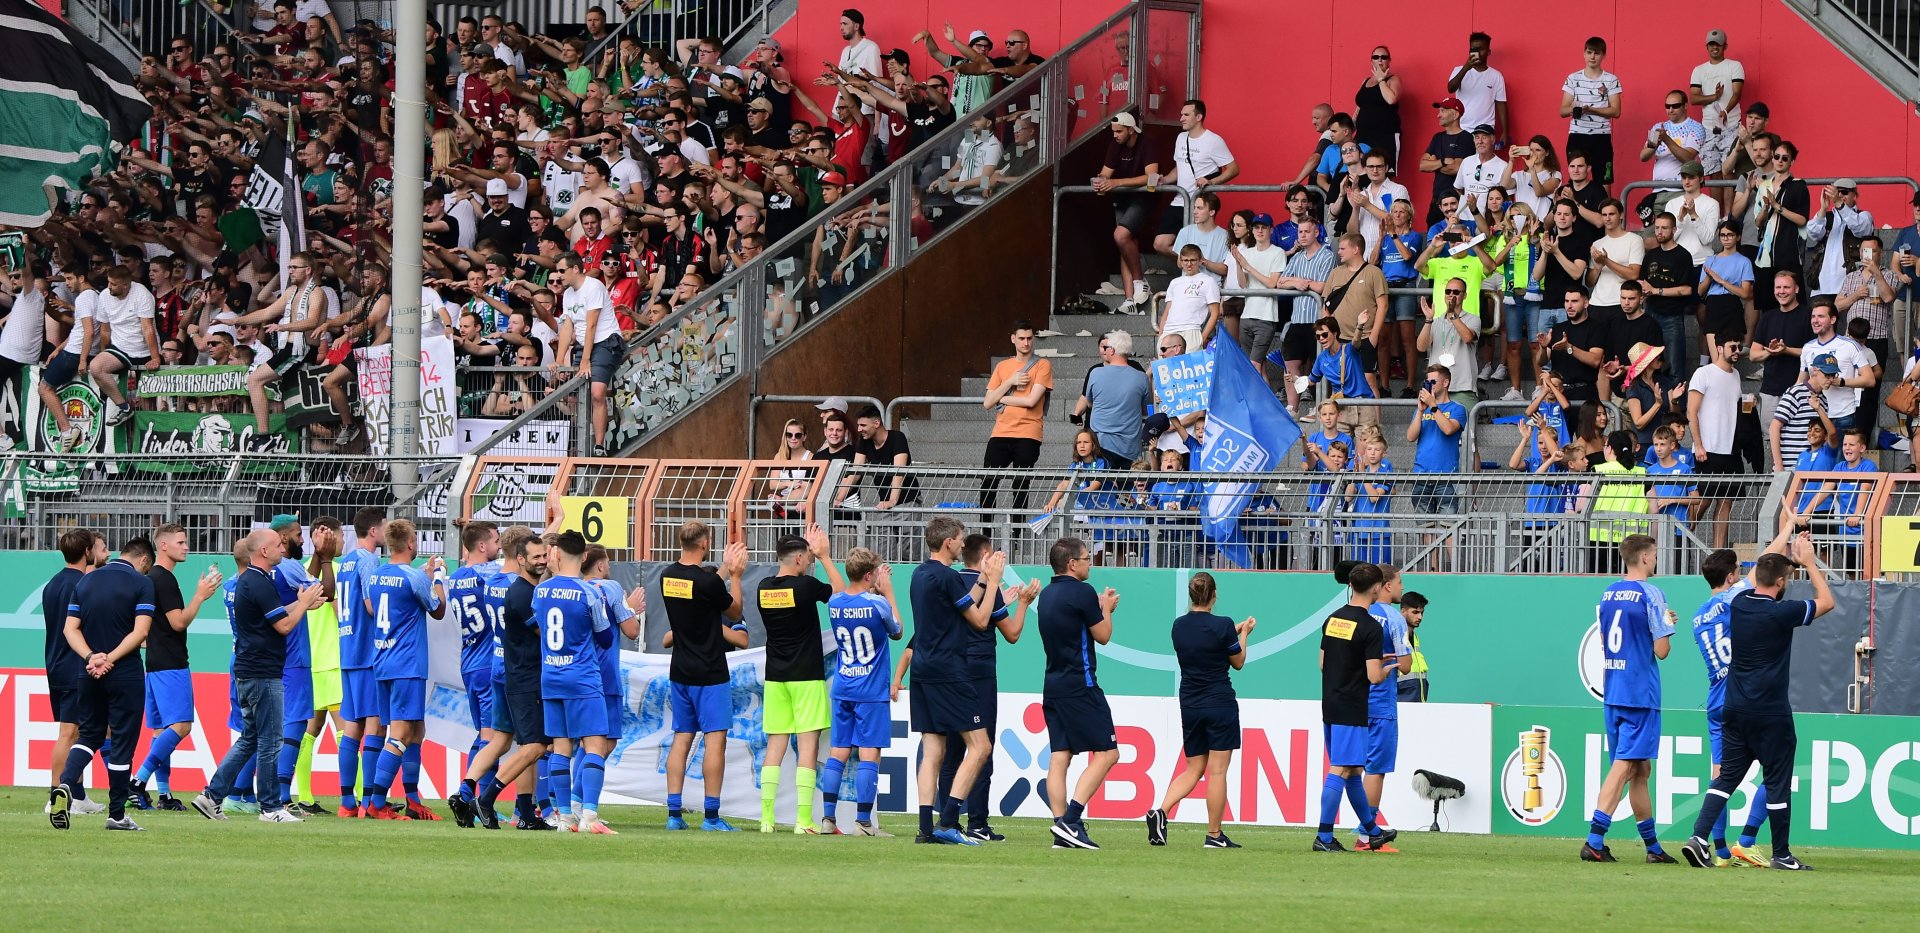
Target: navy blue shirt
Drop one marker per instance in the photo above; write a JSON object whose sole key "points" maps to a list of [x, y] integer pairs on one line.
{"points": [[983, 646], [258, 650], [1762, 631], [1205, 644], [1068, 608], [108, 601], [520, 642], [940, 600], [63, 666]]}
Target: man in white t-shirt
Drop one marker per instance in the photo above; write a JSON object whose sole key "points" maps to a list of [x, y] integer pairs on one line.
{"points": [[84, 338], [1479, 172], [1372, 202], [1715, 88], [587, 319], [1849, 363], [21, 335], [1481, 88], [1193, 302], [1201, 158], [860, 55], [126, 309], [1617, 257], [1260, 267], [1675, 141], [1713, 408], [1591, 98], [301, 310]]}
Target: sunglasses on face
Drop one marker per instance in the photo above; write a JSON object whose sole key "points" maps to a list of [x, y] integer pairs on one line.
{"points": [[1455, 291], [1382, 58], [797, 435]]}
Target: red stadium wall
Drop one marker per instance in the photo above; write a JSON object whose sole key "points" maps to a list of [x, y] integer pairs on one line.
{"points": [[1265, 65]]}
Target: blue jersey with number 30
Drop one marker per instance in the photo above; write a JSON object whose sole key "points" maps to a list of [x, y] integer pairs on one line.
{"points": [[402, 598], [1633, 615], [568, 611], [862, 624], [466, 598]]}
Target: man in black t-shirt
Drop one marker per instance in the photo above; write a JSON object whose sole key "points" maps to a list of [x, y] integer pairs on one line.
{"points": [[1444, 152], [1352, 646], [1073, 616], [700, 698], [1567, 249], [796, 694], [107, 620], [1577, 347], [1670, 278], [169, 683], [1586, 192], [881, 447], [1634, 325], [1779, 331], [1126, 174]]}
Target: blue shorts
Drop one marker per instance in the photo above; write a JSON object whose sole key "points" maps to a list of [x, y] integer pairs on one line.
{"points": [[605, 358], [1633, 733], [861, 724], [1714, 716], [1549, 316], [616, 712], [360, 695], [61, 369], [1383, 745], [1403, 307], [169, 698], [1209, 729], [944, 707], [296, 691], [575, 717], [403, 699], [1346, 745], [479, 686], [1080, 721], [1433, 498], [700, 709], [1523, 319]]}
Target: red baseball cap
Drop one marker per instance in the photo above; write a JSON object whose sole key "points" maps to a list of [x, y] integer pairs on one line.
{"points": [[834, 178], [1449, 103]]}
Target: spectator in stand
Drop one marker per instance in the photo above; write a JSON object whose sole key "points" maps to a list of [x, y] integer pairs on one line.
{"points": [[1800, 422], [837, 435], [1114, 402], [1129, 164], [1339, 366], [1533, 175], [1782, 209], [1906, 256], [1328, 173], [1617, 256], [1715, 88], [1017, 391], [970, 180], [126, 310], [1696, 214], [1866, 296], [1513, 258], [860, 55], [1303, 203], [1853, 372], [1634, 326], [1832, 232], [1777, 339], [1480, 171], [1591, 97], [1307, 271], [588, 329], [1400, 245], [1210, 237], [1744, 159], [971, 65], [1480, 86], [1726, 284], [1675, 141], [1713, 408], [1668, 283], [1435, 434], [1371, 204], [1193, 301], [1448, 338], [1200, 158], [1322, 118], [880, 446], [1576, 349], [1260, 267], [1376, 108], [852, 127], [1355, 294], [1445, 152]]}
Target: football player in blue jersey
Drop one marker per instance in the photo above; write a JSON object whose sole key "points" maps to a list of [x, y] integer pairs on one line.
{"points": [[403, 598], [1636, 629], [626, 611], [864, 617], [571, 617], [467, 600], [362, 735]]}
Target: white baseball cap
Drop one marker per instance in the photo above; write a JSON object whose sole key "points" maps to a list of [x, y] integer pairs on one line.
{"points": [[496, 187]]}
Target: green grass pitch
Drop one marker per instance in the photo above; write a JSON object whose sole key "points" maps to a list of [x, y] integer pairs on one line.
{"points": [[188, 873]]}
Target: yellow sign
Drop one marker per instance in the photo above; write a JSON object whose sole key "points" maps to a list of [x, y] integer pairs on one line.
{"points": [[603, 520], [1899, 544], [1341, 628], [776, 599], [676, 587]]}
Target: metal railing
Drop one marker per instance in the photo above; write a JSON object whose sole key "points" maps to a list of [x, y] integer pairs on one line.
{"points": [[729, 330], [144, 27], [726, 20], [1626, 190], [855, 403]]}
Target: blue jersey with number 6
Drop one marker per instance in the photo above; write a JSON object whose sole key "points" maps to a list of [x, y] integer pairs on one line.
{"points": [[402, 599], [466, 597], [1633, 615], [568, 611], [1713, 635], [862, 624]]}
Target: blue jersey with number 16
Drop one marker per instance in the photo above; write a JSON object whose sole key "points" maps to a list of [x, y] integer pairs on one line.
{"points": [[1713, 635], [1632, 616], [402, 599], [568, 612], [466, 598], [862, 624]]}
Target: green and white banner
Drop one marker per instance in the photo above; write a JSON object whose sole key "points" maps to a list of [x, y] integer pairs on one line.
{"points": [[185, 442], [197, 381]]}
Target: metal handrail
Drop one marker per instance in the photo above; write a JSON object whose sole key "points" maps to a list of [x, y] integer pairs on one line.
{"points": [[893, 422], [633, 20], [753, 411]]}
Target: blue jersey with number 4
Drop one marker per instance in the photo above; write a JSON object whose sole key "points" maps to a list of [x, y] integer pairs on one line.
{"points": [[862, 625], [466, 597], [568, 611], [1713, 635], [1633, 615], [402, 599]]}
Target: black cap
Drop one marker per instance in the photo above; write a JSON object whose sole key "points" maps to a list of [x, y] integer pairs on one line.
{"points": [[1760, 107], [859, 19], [1158, 423], [1486, 128], [900, 55]]}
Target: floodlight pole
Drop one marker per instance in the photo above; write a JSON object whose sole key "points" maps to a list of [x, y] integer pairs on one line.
{"points": [[409, 163]]}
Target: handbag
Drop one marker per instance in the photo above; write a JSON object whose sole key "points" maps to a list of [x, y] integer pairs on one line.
{"points": [[1904, 399]]}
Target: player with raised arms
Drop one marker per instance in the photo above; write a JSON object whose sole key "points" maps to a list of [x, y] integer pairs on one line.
{"points": [[1073, 617], [1206, 645], [700, 697], [1636, 628], [864, 617]]}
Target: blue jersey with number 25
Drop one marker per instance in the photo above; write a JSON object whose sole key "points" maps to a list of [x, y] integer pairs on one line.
{"points": [[1633, 615]]}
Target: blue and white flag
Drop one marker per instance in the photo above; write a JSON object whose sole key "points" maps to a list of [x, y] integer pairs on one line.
{"points": [[1248, 431]]}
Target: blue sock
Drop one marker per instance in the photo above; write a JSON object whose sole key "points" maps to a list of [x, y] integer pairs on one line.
{"points": [[593, 774], [349, 770], [1597, 834], [543, 783], [370, 747], [410, 772], [1331, 790], [1362, 810], [243, 782], [831, 774], [1075, 810], [473, 751], [866, 786], [1720, 835], [1650, 835], [289, 760], [383, 772], [158, 752], [560, 772], [674, 807], [710, 807], [926, 820], [163, 778], [577, 764], [1756, 815]]}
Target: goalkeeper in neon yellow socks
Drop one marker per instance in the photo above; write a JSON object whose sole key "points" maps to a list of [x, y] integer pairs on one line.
{"points": [[796, 694]]}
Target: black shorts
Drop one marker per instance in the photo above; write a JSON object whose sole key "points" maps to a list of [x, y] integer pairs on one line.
{"points": [[1297, 344], [1727, 464], [1209, 729], [528, 716], [1079, 721], [128, 362], [1133, 212], [1175, 217], [1726, 314], [61, 696], [944, 707]]}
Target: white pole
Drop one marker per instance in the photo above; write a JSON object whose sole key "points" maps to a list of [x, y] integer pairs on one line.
{"points": [[409, 158]]}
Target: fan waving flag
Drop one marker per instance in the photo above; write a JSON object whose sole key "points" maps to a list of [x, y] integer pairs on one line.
{"points": [[65, 106], [1248, 431]]}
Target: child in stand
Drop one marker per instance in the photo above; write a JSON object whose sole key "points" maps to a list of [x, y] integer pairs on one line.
{"points": [[1675, 499], [1682, 451], [1549, 408], [1820, 456], [1314, 448], [1176, 496], [1332, 459], [1369, 494]]}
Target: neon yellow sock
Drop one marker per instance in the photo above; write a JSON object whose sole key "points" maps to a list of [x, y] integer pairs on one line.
{"points": [[803, 779], [303, 771], [769, 787]]}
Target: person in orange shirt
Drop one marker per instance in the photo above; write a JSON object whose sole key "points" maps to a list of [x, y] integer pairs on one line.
{"points": [[1019, 387]]}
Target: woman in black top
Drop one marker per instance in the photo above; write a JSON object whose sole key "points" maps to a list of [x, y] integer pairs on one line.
{"points": [[1376, 114]]}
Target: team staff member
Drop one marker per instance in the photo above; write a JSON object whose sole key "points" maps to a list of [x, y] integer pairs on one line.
{"points": [[1636, 628], [107, 620], [519, 716], [796, 691], [1351, 647], [82, 550], [1205, 645], [1073, 616], [169, 704], [1413, 682], [701, 699], [1758, 720], [943, 700]]}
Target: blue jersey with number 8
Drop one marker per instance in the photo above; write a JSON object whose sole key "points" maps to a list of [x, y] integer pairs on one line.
{"points": [[568, 611], [1633, 615], [862, 624]]}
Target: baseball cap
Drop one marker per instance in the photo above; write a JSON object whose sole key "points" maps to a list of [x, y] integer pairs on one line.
{"points": [[1261, 220], [761, 104], [1450, 103], [479, 50], [1716, 37], [834, 178], [1694, 168], [898, 55], [772, 43], [977, 35], [1486, 128], [496, 187], [1826, 363], [1760, 107], [1125, 119], [835, 403], [1844, 184], [224, 330], [733, 71]]}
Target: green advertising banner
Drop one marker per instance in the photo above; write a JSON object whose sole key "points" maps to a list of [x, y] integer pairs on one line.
{"points": [[184, 442], [1856, 778], [197, 381]]}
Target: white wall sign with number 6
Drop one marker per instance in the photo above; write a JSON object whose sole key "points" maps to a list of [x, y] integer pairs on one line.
{"points": [[603, 520]]}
